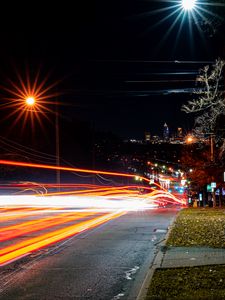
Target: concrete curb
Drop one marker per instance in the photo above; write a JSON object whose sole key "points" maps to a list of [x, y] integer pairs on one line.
{"points": [[157, 262]]}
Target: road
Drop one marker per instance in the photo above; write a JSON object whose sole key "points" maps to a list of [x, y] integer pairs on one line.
{"points": [[107, 262]]}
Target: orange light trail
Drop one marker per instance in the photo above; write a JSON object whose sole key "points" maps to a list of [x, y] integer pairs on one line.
{"points": [[24, 213], [70, 169], [20, 249], [17, 230], [111, 202], [122, 192], [96, 191], [82, 200]]}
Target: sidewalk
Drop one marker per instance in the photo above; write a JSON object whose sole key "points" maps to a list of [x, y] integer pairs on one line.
{"points": [[171, 257], [175, 257]]}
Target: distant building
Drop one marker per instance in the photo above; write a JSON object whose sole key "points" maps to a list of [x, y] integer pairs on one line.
{"points": [[147, 137], [166, 133], [179, 132], [155, 139]]}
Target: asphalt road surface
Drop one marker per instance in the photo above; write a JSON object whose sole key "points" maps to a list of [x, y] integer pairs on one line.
{"points": [[108, 262]]}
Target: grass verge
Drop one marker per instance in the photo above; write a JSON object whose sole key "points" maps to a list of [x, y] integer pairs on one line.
{"points": [[199, 227], [193, 227], [197, 283]]}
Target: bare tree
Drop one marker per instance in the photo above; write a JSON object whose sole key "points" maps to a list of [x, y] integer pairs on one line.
{"points": [[209, 103], [211, 20]]}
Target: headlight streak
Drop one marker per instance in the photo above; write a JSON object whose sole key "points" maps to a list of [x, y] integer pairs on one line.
{"points": [[9, 232], [112, 204], [23, 213], [72, 204], [9, 254]]}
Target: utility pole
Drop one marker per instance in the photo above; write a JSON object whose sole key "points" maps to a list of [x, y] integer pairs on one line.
{"points": [[93, 151], [212, 160], [57, 149], [211, 147]]}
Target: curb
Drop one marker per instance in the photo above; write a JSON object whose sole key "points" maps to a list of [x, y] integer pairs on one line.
{"points": [[157, 262]]}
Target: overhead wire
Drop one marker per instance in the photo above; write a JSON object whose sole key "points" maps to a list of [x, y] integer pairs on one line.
{"points": [[43, 155]]}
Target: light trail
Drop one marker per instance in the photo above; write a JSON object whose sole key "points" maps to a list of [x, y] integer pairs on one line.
{"points": [[21, 249], [70, 169], [24, 213], [80, 201], [112, 203], [46, 185], [29, 227], [100, 198]]}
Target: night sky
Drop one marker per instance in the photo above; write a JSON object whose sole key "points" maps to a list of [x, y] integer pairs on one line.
{"points": [[120, 69]]}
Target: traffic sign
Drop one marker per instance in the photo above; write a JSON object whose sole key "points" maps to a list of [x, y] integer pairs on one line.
{"points": [[209, 188]]}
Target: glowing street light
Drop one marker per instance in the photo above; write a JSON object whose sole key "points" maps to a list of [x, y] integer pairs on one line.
{"points": [[188, 4], [30, 101], [190, 139]]}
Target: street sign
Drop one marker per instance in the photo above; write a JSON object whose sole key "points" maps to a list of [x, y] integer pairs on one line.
{"points": [[209, 188], [213, 184]]}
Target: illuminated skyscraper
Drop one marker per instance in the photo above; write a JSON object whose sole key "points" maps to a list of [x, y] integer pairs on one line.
{"points": [[166, 133]]}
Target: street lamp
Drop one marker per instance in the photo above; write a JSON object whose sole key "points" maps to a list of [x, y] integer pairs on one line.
{"points": [[188, 4], [190, 139], [211, 142], [30, 101]]}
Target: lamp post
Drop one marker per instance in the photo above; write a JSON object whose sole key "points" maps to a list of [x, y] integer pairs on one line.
{"points": [[190, 139], [30, 102], [188, 4], [211, 139], [212, 147], [58, 179]]}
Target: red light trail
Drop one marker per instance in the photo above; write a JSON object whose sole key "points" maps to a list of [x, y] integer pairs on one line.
{"points": [[18, 250], [70, 169], [37, 221]]}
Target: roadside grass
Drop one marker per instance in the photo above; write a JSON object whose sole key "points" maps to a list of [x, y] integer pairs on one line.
{"points": [[198, 227], [197, 283], [193, 227]]}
